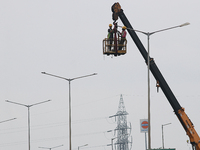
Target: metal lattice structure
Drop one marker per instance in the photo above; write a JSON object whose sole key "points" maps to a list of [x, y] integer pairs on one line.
{"points": [[123, 130]]}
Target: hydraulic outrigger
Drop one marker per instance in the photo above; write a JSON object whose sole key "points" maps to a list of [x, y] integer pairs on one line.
{"points": [[179, 111]]}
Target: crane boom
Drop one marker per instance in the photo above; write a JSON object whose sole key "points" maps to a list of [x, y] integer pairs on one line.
{"points": [[179, 111]]}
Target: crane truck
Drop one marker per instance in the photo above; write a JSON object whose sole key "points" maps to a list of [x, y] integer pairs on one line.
{"points": [[179, 111]]}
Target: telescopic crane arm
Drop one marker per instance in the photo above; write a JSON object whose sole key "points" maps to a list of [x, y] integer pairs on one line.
{"points": [[179, 111]]}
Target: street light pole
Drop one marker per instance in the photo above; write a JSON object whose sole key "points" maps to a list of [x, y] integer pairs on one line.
{"points": [[149, 108], [70, 119], [112, 142], [82, 146], [69, 80], [28, 106], [51, 147], [148, 34], [163, 134]]}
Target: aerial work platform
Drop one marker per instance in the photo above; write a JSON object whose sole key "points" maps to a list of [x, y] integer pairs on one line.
{"points": [[113, 47]]}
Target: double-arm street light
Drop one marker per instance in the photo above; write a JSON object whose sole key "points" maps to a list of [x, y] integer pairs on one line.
{"points": [[163, 134], [148, 34], [50, 147], [28, 106], [69, 80], [82, 146], [112, 142], [111, 139]]}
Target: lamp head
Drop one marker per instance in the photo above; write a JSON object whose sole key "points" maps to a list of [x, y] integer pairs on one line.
{"points": [[185, 24]]}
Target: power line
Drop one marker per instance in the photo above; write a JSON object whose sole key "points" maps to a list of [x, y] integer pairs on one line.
{"points": [[50, 125], [48, 139]]}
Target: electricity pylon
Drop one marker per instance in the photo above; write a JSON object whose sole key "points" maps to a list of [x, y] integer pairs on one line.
{"points": [[123, 130]]}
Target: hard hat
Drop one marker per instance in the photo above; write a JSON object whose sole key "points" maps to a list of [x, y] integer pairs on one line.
{"points": [[124, 27], [110, 25]]}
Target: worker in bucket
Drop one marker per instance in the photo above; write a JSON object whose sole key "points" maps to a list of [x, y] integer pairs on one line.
{"points": [[110, 36], [123, 37]]}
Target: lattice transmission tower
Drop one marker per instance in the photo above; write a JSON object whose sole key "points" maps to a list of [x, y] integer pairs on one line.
{"points": [[122, 130]]}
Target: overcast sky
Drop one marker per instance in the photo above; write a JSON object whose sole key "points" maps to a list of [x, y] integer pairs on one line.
{"points": [[65, 38]]}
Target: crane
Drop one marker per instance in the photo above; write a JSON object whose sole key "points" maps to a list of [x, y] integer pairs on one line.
{"points": [[179, 111]]}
